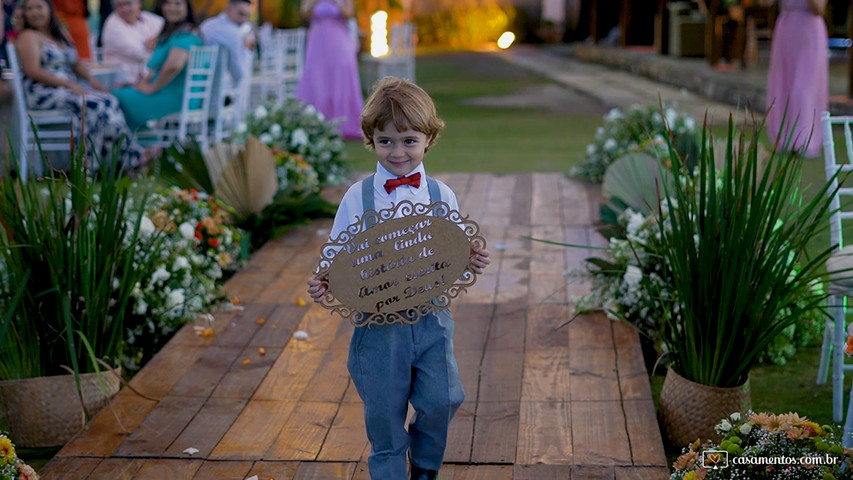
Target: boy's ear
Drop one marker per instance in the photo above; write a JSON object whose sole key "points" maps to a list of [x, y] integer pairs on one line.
{"points": [[430, 143]]}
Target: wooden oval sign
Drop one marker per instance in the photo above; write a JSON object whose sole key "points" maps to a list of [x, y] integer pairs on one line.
{"points": [[384, 269]]}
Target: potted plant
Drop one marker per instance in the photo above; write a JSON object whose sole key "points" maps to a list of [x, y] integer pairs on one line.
{"points": [[735, 243], [71, 253]]}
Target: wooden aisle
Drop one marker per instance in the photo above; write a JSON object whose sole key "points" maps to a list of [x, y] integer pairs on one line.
{"points": [[543, 401]]}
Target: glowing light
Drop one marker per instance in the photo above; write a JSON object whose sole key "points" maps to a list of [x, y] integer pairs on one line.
{"points": [[506, 40], [379, 34]]}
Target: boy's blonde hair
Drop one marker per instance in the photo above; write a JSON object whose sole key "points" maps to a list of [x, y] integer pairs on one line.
{"points": [[406, 105]]}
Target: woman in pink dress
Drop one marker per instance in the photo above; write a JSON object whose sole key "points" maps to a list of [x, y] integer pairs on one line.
{"points": [[330, 79], [797, 80]]}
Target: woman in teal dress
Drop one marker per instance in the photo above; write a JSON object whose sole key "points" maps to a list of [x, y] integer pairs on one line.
{"points": [[161, 91]]}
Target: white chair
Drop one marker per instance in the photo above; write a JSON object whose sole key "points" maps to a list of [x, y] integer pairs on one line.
{"points": [[194, 117], [267, 85], [840, 284], [400, 62], [282, 57], [294, 59], [54, 127]]}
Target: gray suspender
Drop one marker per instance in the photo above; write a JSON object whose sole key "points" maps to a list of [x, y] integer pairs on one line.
{"points": [[367, 200]]}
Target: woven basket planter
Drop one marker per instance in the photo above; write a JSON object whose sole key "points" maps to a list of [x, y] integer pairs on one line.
{"points": [[46, 411], [690, 411]]}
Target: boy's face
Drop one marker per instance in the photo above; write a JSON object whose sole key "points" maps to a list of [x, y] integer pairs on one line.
{"points": [[399, 152]]}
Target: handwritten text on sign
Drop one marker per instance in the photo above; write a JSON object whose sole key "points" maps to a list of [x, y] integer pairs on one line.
{"points": [[399, 264]]}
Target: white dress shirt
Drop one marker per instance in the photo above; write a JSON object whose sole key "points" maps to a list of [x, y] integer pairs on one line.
{"points": [[220, 30], [351, 207], [124, 43]]}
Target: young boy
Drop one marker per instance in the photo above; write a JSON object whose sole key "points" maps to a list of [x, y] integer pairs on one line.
{"points": [[397, 364]]}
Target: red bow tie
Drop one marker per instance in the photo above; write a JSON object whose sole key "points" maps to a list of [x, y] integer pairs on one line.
{"points": [[413, 180]]}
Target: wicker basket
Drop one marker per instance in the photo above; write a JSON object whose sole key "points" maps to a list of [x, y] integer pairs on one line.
{"points": [[690, 411], [46, 411]]}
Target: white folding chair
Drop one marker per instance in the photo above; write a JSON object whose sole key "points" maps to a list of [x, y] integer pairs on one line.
{"points": [[267, 85], [54, 127], [194, 116], [400, 62], [841, 261], [294, 59]]}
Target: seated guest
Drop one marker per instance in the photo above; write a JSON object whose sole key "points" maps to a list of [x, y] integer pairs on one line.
{"points": [[53, 78], [161, 91], [232, 30], [129, 36]]}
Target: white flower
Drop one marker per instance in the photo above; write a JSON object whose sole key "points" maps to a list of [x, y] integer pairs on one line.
{"points": [[745, 428], [671, 116], [275, 130], [635, 222], [689, 123], [724, 426], [175, 299], [160, 275], [590, 149], [241, 127], [260, 112], [310, 110], [141, 307], [181, 263], [265, 138], [735, 416], [299, 137], [614, 114], [187, 230], [146, 226], [610, 144], [633, 276]]}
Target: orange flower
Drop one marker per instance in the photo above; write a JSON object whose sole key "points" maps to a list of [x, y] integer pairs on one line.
{"points": [[849, 348], [213, 242]]}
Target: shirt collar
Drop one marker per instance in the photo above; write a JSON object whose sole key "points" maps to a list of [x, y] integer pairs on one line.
{"points": [[383, 175]]}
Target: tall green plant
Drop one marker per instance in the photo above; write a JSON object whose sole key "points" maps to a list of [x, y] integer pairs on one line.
{"points": [[736, 245], [71, 241]]}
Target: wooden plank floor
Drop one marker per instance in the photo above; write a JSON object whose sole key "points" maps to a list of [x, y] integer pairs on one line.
{"points": [[544, 400]]}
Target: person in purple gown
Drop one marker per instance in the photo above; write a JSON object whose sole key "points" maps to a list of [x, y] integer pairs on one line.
{"points": [[797, 83], [330, 80]]}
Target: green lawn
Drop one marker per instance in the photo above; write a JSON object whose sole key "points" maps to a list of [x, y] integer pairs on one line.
{"points": [[491, 139]]}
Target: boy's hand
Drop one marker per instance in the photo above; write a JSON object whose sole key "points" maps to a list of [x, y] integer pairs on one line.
{"points": [[317, 288], [479, 260]]}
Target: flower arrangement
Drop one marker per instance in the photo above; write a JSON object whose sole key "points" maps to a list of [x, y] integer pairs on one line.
{"points": [[633, 283], [11, 467], [295, 175], [761, 446], [300, 129], [641, 128], [198, 243]]}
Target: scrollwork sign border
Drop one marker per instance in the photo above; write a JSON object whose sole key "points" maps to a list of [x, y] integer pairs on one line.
{"points": [[373, 217]]}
